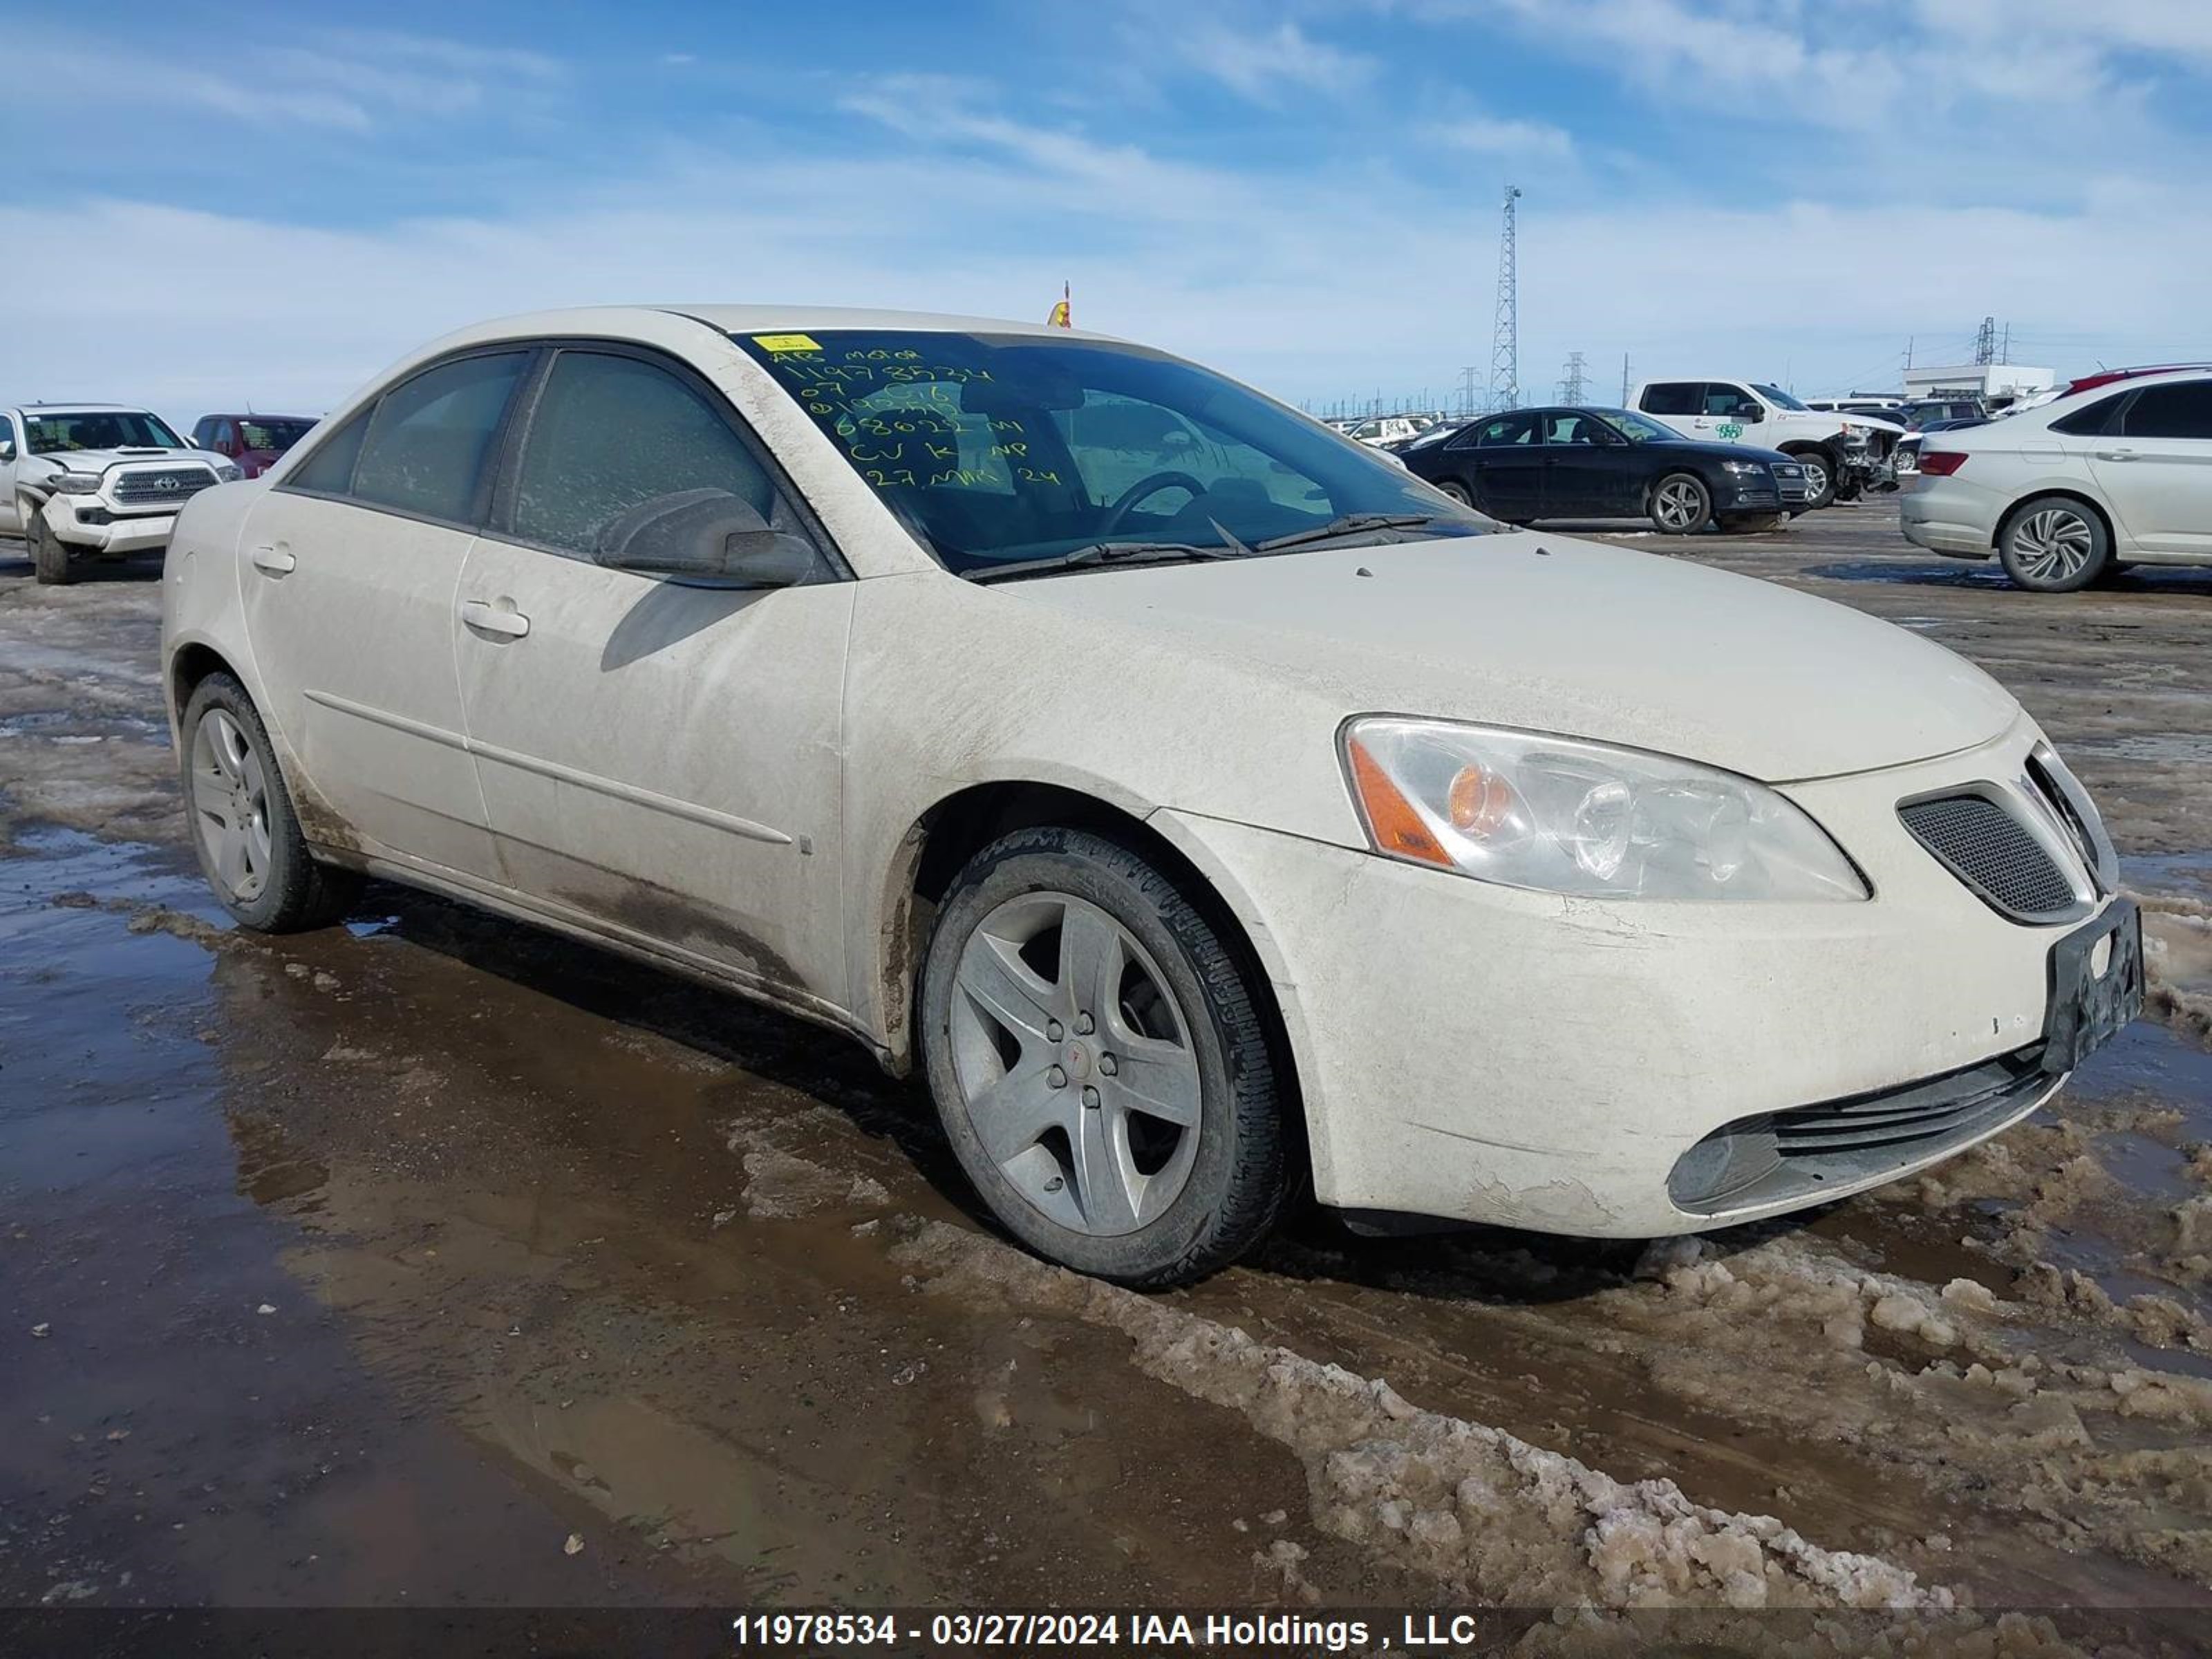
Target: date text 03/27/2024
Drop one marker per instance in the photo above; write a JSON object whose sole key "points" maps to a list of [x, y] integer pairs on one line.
{"points": [[1259, 1632]]}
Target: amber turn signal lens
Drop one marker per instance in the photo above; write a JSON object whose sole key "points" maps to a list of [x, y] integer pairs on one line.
{"points": [[1396, 827], [1481, 801]]}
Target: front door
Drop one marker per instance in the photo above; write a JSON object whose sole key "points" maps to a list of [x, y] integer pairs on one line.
{"points": [[11, 457], [2157, 470], [658, 758], [349, 574], [1586, 473]]}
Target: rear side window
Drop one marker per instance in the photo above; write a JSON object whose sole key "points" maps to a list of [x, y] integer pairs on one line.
{"points": [[2083, 423], [1673, 397], [329, 470], [2171, 411], [426, 445], [611, 433]]}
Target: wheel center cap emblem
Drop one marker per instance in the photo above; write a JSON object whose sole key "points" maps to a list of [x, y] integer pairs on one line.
{"points": [[1077, 1061]]}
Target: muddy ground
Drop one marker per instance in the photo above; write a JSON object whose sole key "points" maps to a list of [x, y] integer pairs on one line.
{"points": [[431, 1261]]}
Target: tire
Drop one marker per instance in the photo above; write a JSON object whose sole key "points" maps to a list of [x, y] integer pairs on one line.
{"points": [[1752, 524], [2054, 544], [233, 775], [1679, 504], [1819, 478], [1459, 492], [50, 555], [1170, 1202]]}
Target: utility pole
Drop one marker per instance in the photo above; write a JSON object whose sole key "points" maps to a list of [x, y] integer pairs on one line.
{"points": [[1466, 391], [1986, 341], [1624, 380], [1571, 381], [1505, 331], [2004, 352]]}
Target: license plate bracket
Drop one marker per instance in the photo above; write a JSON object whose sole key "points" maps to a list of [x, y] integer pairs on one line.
{"points": [[2087, 1009]]}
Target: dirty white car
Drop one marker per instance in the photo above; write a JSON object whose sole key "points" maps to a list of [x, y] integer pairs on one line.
{"points": [[1203, 806], [87, 481]]}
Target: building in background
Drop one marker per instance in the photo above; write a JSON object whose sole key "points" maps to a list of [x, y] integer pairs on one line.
{"points": [[1996, 384]]}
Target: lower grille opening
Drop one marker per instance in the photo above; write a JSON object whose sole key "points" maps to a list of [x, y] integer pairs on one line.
{"points": [[1779, 1156]]}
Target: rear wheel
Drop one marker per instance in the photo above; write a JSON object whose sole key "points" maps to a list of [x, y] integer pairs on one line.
{"points": [[2054, 544], [50, 555], [244, 829], [1098, 1062], [1459, 492], [1819, 478], [1681, 504]]}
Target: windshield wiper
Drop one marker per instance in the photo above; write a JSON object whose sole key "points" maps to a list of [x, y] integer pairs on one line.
{"points": [[1353, 524], [1100, 553]]}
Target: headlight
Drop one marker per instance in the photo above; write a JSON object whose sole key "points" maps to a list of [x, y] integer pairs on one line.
{"points": [[1564, 816], [76, 483], [227, 472], [1745, 469]]}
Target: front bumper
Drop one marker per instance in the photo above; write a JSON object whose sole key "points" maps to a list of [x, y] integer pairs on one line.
{"points": [[1523, 1059], [1748, 495], [87, 524]]}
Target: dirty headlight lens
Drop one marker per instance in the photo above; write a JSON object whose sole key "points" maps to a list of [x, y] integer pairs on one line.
{"points": [[228, 473], [1564, 816], [76, 483]]}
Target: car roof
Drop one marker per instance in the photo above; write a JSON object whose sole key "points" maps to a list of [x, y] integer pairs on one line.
{"points": [[757, 319], [252, 414], [84, 409]]}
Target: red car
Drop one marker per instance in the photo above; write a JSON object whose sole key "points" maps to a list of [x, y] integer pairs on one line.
{"points": [[254, 441]]}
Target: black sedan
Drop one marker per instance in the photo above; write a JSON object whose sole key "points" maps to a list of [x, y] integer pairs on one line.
{"points": [[1529, 464]]}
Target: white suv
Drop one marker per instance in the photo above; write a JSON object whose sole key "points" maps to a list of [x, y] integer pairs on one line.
{"points": [[1841, 455], [89, 480], [2065, 494]]}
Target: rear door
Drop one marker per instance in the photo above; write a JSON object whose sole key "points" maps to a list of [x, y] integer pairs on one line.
{"points": [[11, 457], [1501, 459], [348, 571], [659, 758], [2156, 470]]}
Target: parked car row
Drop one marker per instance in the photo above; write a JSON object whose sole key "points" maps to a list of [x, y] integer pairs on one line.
{"points": [[83, 481]]}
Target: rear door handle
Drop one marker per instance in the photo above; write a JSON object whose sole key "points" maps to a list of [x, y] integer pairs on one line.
{"points": [[277, 560], [2116, 454], [488, 618]]}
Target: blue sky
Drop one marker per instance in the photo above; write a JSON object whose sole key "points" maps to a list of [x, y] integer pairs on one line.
{"points": [[207, 207]]}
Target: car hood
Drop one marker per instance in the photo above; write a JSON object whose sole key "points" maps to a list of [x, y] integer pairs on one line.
{"points": [[1547, 632], [99, 460]]}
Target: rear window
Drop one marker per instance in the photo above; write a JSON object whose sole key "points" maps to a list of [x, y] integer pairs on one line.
{"points": [[2093, 419]]}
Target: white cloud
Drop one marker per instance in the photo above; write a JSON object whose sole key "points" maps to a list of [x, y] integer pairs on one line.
{"points": [[1487, 135], [1259, 63]]}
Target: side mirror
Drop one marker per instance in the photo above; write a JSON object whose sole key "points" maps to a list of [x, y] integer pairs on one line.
{"points": [[7, 449], [708, 535], [1750, 414]]}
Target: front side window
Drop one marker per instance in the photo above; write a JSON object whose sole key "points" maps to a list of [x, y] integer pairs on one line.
{"points": [[1778, 397], [1673, 397], [611, 433], [1504, 430], [1728, 401], [2184, 410], [1573, 429], [1003, 449], [1638, 430], [426, 445], [65, 431]]}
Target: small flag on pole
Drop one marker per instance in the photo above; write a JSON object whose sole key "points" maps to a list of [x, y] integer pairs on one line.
{"points": [[1060, 317]]}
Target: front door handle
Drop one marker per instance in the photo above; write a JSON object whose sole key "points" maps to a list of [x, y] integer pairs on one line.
{"points": [[277, 560], [488, 618]]}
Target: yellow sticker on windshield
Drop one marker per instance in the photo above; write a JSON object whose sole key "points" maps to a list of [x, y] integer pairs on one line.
{"points": [[786, 342]]}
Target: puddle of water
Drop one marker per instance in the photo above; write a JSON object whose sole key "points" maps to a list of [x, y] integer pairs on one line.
{"points": [[2189, 873], [1943, 574]]}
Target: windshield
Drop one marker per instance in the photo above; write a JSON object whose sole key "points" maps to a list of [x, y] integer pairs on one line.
{"points": [[1634, 427], [277, 434], [61, 431], [1776, 395], [1004, 449]]}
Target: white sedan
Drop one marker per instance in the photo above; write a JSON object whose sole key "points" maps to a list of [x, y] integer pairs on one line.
{"points": [[2068, 493], [1203, 807]]}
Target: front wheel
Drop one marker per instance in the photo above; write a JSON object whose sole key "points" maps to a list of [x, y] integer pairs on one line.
{"points": [[50, 555], [2054, 544], [1819, 478], [1098, 1061], [244, 829], [1681, 504]]}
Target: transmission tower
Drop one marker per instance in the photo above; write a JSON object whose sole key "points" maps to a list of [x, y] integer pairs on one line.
{"points": [[1571, 380], [1467, 391], [1986, 341], [1506, 334]]}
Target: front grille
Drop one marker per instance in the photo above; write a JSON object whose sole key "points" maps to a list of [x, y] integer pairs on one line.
{"points": [[161, 486], [1839, 1143], [1981, 841]]}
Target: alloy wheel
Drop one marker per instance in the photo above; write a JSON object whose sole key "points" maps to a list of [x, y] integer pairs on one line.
{"points": [[1074, 1064], [1679, 506], [230, 805], [2052, 545]]}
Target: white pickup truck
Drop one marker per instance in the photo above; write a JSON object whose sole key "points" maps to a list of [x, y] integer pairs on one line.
{"points": [[83, 481], [1841, 455]]}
